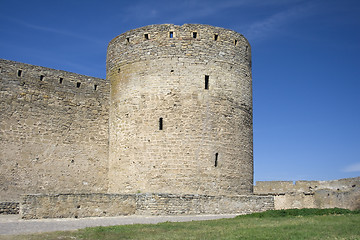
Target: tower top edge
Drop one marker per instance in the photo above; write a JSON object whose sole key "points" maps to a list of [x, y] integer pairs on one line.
{"points": [[167, 27]]}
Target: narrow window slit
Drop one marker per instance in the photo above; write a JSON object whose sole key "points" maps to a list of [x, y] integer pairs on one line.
{"points": [[127, 40], [161, 124], [216, 159], [78, 84], [206, 82], [42, 77], [216, 37], [171, 34], [194, 34], [19, 72], [95, 87], [246, 48], [61, 80], [235, 42], [146, 36]]}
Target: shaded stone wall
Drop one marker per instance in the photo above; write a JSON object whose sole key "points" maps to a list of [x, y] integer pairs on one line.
{"points": [[53, 131], [96, 205], [342, 193], [180, 111], [9, 207]]}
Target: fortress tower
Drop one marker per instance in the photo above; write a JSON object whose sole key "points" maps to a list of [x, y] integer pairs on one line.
{"points": [[180, 111]]}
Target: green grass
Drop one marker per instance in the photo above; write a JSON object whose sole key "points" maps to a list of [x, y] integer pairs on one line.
{"points": [[275, 224], [300, 212]]}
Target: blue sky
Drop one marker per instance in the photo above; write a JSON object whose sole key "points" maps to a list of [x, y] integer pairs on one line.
{"points": [[305, 54]]}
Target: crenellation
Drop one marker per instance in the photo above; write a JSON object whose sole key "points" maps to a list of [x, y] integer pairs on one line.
{"points": [[182, 40], [47, 78]]}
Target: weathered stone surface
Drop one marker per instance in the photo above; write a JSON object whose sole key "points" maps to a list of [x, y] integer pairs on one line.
{"points": [[9, 207], [91, 205], [53, 131], [294, 200], [273, 187], [200, 90], [174, 204], [77, 205], [342, 193]]}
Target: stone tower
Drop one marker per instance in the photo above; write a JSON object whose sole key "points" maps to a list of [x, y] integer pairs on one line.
{"points": [[180, 111]]}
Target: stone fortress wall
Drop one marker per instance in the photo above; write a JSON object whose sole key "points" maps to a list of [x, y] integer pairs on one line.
{"points": [[342, 193], [53, 131], [195, 81], [268, 195], [105, 205]]}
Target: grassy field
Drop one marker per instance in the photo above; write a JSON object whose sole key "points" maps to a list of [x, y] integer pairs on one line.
{"points": [[281, 224]]}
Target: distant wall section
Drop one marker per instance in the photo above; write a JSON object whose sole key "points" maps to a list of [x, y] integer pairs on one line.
{"points": [[53, 131], [342, 193]]}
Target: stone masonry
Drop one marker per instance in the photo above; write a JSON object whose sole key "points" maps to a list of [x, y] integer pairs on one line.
{"points": [[180, 111], [169, 131], [105, 205], [342, 193], [53, 131]]}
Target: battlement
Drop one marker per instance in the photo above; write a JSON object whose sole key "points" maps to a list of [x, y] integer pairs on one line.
{"points": [[30, 76], [196, 32], [191, 41]]}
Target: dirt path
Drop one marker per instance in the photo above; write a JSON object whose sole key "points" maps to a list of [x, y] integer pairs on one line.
{"points": [[12, 224]]}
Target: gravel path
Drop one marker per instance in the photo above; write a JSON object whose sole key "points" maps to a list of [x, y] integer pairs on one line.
{"points": [[12, 224]]}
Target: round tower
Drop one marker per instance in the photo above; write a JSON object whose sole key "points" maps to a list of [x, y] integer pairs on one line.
{"points": [[180, 111]]}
